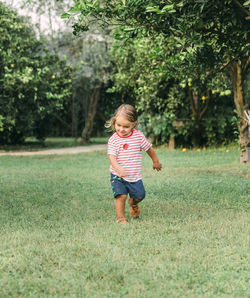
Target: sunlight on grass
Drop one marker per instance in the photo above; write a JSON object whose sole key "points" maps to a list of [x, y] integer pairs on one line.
{"points": [[59, 236]]}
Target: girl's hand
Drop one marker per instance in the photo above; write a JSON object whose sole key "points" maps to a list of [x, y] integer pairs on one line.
{"points": [[121, 172], [157, 166]]}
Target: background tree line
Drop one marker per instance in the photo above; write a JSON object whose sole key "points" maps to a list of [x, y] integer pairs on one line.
{"points": [[184, 65]]}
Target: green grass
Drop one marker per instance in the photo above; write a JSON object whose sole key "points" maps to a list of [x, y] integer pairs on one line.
{"points": [[59, 237], [32, 144]]}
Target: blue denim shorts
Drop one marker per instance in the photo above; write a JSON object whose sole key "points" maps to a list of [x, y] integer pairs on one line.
{"points": [[120, 186]]}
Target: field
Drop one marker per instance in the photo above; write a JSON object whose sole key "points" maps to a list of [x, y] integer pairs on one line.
{"points": [[59, 237]]}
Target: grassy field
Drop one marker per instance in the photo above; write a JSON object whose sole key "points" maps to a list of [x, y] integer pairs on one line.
{"points": [[59, 237]]}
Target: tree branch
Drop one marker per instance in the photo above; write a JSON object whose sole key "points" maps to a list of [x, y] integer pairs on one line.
{"points": [[192, 102], [221, 68], [206, 105], [242, 8], [101, 116], [244, 67], [61, 120]]}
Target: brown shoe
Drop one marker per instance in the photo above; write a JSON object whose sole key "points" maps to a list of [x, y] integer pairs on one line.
{"points": [[134, 209], [122, 221]]}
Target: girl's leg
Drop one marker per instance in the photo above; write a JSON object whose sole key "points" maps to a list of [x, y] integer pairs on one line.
{"points": [[120, 207], [134, 208], [134, 201]]}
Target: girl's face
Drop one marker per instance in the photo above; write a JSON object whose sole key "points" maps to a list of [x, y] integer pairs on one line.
{"points": [[123, 127]]}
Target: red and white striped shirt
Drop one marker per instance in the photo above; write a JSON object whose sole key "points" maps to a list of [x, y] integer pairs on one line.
{"points": [[128, 153]]}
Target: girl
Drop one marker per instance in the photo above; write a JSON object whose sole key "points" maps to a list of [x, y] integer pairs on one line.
{"points": [[125, 155]]}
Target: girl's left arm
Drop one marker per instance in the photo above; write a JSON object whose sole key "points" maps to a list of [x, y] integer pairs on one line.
{"points": [[156, 164]]}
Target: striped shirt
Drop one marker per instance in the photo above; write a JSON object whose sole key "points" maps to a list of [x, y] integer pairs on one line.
{"points": [[128, 153]]}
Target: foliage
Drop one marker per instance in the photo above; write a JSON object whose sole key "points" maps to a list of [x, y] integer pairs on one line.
{"points": [[145, 69], [208, 30], [34, 84], [189, 41], [89, 56]]}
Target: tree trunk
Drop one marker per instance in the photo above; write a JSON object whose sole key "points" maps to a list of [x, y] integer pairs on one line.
{"points": [[194, 101], [199, 112], [237, 82], [171, 144], [73, 118], [86, 133], [198, 128]]}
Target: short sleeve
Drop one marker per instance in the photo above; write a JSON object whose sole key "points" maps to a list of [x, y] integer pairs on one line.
{"points": [[145, 144], [112, 147]]}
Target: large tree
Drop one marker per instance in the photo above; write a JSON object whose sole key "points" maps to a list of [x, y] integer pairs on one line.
{"points": [[211, 34], [34, 84], [88, 54], [147, 68]]}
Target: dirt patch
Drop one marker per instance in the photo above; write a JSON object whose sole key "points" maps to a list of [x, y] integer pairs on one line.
{"points": [[72, 150], [245, 176]]}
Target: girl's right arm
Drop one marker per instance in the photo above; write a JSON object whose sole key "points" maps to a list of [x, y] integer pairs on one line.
{"points": [[113, 161], [156, 164]]}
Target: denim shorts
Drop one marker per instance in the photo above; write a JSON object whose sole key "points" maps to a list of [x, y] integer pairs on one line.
{"points": [[122, 187]]}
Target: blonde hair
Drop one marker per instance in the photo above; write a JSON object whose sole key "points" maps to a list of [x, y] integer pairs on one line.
{"points": [[128, 111]]}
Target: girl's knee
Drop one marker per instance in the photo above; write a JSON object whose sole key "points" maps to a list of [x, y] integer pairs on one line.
{"points": [[136, 201], [121, 197]]}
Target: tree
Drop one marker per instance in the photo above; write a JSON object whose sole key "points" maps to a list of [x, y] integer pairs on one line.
{"points": [[212, 34], [171, 106], [88, 55], [33, 83], [82, 54]]}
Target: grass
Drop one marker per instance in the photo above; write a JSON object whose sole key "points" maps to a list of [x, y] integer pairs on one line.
{"points": [[59, 236], [32, 144]]}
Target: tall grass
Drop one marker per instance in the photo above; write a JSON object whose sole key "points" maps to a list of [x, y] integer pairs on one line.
{"points": [[59, 236]]}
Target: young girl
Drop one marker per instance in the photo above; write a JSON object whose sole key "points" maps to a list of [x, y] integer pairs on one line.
{"points": [[125, 155]]}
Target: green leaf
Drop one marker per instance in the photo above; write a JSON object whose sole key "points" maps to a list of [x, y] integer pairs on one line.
{"points": [[168, 7], [129, 29], [180, 4], [152, 9], [74, 9], [65, 15]]}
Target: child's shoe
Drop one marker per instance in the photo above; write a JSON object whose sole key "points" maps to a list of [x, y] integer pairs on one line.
{"points": [[134, 209], [122, 221]]}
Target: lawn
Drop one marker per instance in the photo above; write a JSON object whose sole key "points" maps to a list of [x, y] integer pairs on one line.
{"points": [[59, 237]]}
